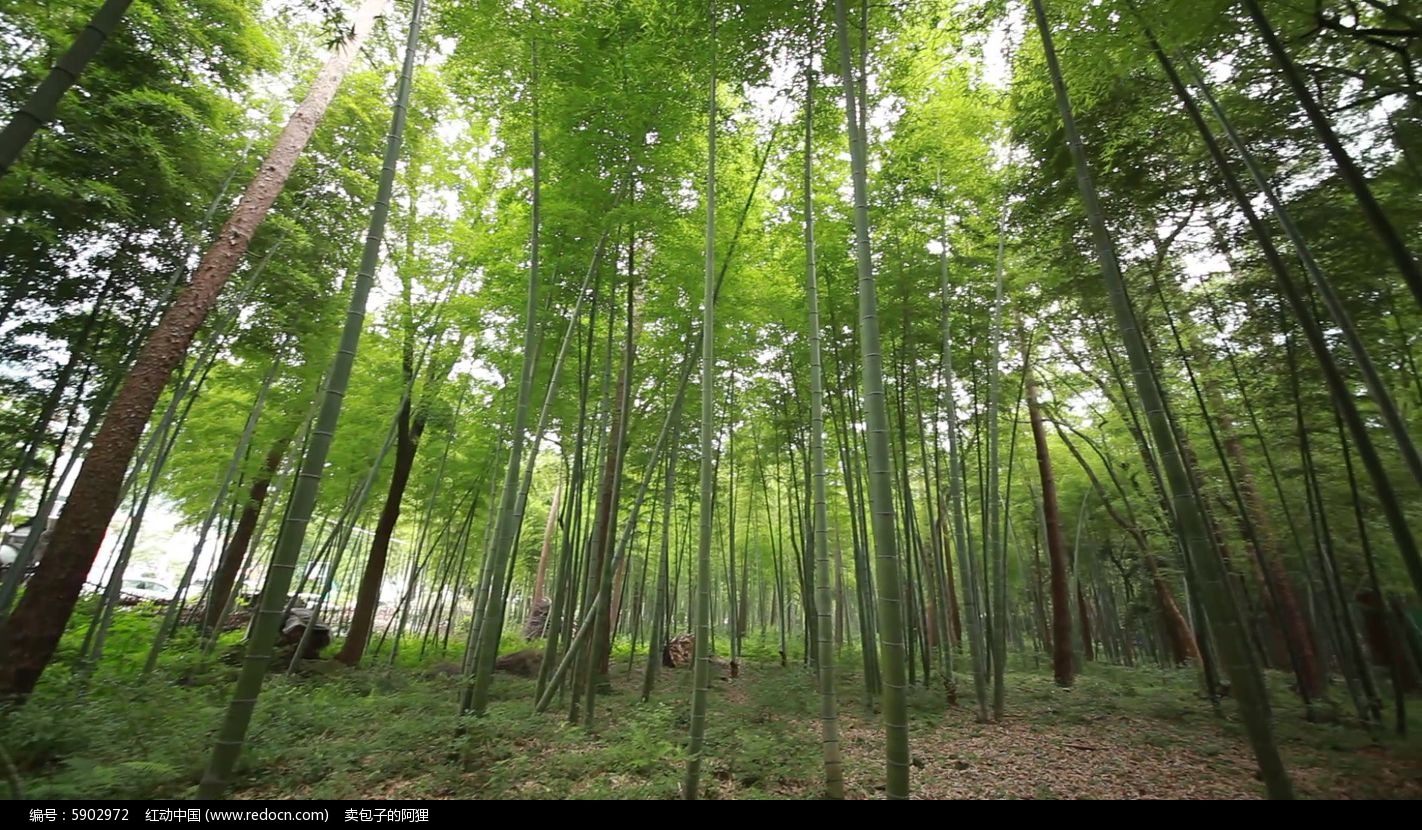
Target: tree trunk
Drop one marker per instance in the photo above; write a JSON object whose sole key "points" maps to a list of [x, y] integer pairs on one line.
{"points": [[881, 493], [955, 619], [407, 441], [232, 733], [1062, 668], [488, 609], [701, 607], [33, 632], [619, 578], [829, 707], [1347, 169], [1245, 677], [1088, 649], [1286, 602], [608, 494], [44, 101], [229, 565], [548, 529], [1182, 640]]}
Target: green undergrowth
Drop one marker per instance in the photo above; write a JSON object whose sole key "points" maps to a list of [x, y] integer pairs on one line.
{"points": [[394, 732]]}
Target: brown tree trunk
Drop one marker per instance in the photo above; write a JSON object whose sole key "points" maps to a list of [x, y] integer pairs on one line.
{"points": [[1182, 640], [1401, 650], [407, 441], [33, 631], [607, 516], [1236, 581], [1285, 602], [229, 565], [548, 528], [618, 577], [1183, 647], [1062, 668]]}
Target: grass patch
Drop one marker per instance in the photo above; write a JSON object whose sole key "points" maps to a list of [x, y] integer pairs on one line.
{"points": [[394, 731]]}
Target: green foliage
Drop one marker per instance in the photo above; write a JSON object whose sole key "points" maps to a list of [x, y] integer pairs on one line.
{"points": [[965, 147]]}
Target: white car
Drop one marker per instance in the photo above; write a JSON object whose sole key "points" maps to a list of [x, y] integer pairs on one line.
{"points": [[13, 542], [138, 590]]}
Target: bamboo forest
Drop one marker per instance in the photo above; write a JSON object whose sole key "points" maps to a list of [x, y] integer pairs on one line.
{"points": [[405, 400]]}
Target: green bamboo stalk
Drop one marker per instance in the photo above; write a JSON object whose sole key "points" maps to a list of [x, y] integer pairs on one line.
{"points": [[962, 541], [994, 536], [1367, 452], [1347, 169], [1247, 683], [171, 615], [881, 495], [702, 610], [476, 698], [829, 708], [233, 732], [43, 103]]}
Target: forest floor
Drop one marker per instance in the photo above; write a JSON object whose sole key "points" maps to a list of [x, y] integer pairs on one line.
{"points": [[392, 733]]}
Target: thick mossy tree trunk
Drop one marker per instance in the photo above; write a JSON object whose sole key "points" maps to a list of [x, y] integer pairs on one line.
{"points": [[32, 633]]}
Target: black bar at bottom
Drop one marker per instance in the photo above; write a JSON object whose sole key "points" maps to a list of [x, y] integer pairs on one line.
{"points": [[288, 813]]}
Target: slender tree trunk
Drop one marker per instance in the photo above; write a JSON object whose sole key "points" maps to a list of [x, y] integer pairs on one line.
{"points": [[661, 606], [1088, 648], [953, 504], [233, 730], [609, 497], [1247, 683], [1307, 319], [1181, 639], [234, 553], [1285, 600], [700, 695], [1062, 668], [548, 529], [43, 103], [1347, 168], [407, 441], [995, 537], [78, 348], [881, 494], [489, 609], [829, 708]]}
